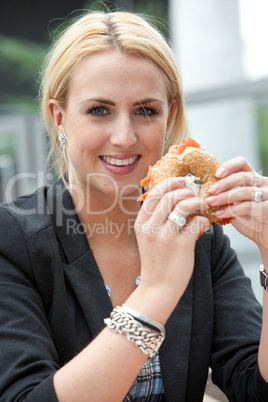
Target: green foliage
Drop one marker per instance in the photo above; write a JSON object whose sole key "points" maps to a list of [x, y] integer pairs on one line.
{"points": [[8, 147], [20, 54], [156, 9], [19, 103], [21, 59]]}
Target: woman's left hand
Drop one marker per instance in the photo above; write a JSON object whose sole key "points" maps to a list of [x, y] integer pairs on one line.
{"points": [[246, 194]]}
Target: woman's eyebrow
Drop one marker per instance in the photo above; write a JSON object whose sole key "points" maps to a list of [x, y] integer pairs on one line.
{"points": [[106, 101], [149, 100]]}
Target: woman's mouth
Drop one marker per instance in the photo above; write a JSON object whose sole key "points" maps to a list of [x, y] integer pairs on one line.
{"points": [[122, 165], [120, 162]]}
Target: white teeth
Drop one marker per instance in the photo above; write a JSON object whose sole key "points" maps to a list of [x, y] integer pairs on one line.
{"points": [[119, 162]]}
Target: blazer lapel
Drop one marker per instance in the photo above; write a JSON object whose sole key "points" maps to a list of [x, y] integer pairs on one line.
{"points": [[86, 281], [81, 270]]}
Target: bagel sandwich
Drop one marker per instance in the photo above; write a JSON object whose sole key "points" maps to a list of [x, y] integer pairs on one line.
{"points": [[196, 165]]}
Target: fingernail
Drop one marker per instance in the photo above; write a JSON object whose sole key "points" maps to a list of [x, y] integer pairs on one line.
{"points": [[214, 188], [212, 200], [221, 172], [180, 180]]}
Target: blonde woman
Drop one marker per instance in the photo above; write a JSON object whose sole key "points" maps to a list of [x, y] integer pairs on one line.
{"points": [[102, 299]]}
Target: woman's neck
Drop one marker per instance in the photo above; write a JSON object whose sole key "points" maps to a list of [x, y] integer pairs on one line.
{"points": [[106, 220]]}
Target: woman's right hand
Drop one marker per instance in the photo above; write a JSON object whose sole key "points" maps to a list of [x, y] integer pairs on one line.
{"points": [[166, 249]]}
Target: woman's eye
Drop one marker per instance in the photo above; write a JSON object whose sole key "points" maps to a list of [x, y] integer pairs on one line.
{"points": [[97, 111], [146, 112]]}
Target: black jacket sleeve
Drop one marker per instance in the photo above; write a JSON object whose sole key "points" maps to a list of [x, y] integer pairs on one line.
{"points": [[28, 356], [237, 327]]}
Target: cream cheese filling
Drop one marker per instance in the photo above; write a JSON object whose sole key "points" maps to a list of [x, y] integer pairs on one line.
{"points": [[192, 183]]}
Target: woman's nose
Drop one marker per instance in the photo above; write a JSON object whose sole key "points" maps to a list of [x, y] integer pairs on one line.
{"points": [[123, 133]]}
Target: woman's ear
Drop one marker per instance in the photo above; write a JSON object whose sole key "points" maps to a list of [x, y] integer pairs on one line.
{"points": [[57, 115], [171, 110]]}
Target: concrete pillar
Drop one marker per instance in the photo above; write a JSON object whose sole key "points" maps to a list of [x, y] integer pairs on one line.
{"points": [[206, 38]]}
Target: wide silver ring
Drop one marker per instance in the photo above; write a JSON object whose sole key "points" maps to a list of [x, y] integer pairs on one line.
{"points": [[256, 177], [178, 219], [258, 194]]}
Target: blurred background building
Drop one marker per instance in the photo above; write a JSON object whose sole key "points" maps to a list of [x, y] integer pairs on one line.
{"points": [[219, 46]]}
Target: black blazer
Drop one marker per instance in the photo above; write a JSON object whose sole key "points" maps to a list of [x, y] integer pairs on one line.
{"points": [[53, 302]]}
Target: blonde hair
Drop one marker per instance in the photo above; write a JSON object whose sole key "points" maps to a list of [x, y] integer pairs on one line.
{"points": [[97, 32]]}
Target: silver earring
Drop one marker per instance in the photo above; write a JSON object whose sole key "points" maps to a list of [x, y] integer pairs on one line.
{"points": [[62, 138], [166, 137]]}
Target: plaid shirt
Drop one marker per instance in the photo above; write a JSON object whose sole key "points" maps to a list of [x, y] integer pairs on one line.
{"points": [[148, 386]]}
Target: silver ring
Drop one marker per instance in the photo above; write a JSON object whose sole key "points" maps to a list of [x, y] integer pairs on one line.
{"points": [[258, 194], [256, 177], [178, 219]]}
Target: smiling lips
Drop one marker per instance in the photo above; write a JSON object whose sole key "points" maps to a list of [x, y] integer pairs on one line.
{"points": [[120, 162], [120, 165]]}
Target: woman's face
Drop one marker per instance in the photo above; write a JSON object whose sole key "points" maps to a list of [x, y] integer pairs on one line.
{"points": [[115, 121]]}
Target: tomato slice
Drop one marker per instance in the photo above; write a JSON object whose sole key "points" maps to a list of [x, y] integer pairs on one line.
{"points": [[188, 142]]}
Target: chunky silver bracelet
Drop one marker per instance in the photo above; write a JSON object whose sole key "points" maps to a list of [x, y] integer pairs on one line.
{"points": [[145, 339], [144, 320]]}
